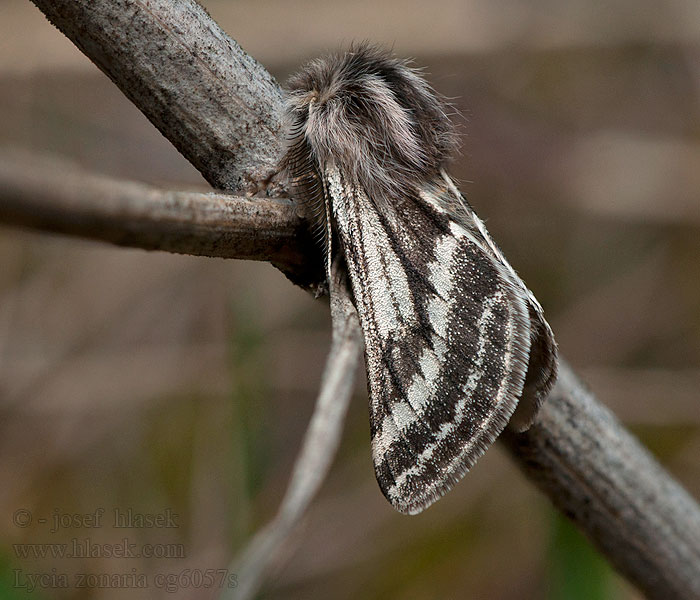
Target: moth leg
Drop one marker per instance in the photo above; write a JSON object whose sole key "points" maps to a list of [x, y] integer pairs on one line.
{"points": [[320, 441]]}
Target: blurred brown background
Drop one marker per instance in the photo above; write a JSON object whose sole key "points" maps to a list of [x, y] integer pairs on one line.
{"points": [[149, 382]]}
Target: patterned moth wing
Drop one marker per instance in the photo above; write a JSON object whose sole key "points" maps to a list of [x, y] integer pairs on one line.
{"points": [[454, 341]]}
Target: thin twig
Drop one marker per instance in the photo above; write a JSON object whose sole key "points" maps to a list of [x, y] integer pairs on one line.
{"points": [[47, 194], [319, 447]]}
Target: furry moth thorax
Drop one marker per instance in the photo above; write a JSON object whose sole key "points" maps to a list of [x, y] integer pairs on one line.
{"points": [[376, 115]]}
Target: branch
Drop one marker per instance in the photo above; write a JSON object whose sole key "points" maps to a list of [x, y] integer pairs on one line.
{"points": [[51, 195], [218, 106], [598, 475], [577, 452]]}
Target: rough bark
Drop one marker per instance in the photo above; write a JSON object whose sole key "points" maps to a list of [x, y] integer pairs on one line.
{"points": [[218, 106], [600, 476]]}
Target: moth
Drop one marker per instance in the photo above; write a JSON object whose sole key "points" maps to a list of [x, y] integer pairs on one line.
{"points": [[456, 346]]}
